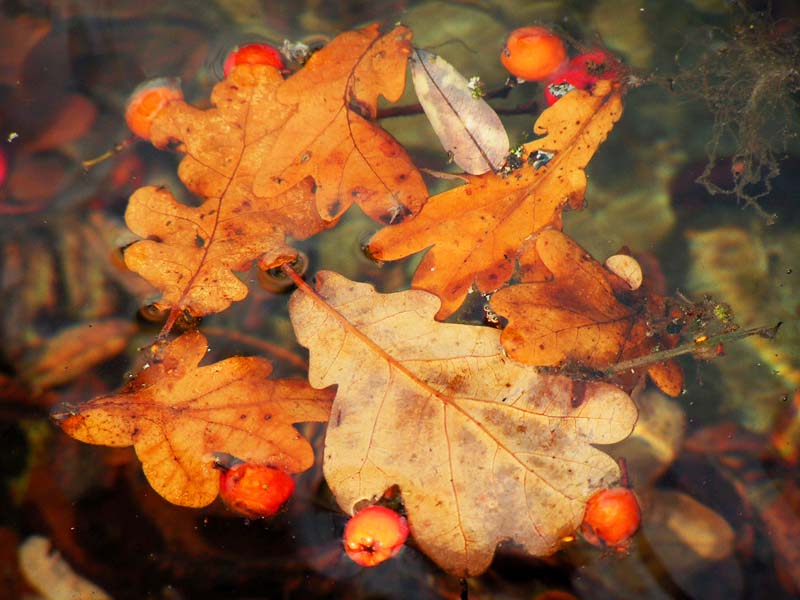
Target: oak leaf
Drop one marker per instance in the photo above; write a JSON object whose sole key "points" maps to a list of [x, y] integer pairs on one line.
{"points": [[568, 310], [273, 158], [474, 231], [483, 449], [177, 414], [573, 315]]}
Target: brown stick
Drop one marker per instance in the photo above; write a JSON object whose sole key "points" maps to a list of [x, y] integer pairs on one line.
{"points": [[766, 331], [263, 345], [416, 109]]}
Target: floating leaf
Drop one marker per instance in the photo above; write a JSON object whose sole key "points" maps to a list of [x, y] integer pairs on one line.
{"points": [[474, 231], [482, 448], [574, 315], [467, 126], [176, 414], [572, 312], [273, 158]]}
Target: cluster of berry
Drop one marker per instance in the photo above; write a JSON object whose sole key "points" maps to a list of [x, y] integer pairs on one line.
{"points": [[537, 54]]}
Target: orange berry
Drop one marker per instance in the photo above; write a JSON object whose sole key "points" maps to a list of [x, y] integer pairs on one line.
{"points": [[374, 535], [533, 53], [612, 516], [255, 490], [252, 54], [147, 101]]}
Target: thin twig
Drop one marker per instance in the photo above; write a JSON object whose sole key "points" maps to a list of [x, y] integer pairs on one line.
{"points": [[767, 331], [265, 346], [88, 164], [416, 109]]}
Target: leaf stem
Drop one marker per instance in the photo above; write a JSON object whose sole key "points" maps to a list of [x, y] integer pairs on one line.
{"points": [[297, 280], [766, 331]]}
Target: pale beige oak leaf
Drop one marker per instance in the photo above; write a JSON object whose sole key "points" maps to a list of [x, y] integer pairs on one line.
{"points": [[483, 449]]}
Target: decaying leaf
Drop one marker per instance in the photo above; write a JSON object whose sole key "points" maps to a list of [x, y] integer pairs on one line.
{"points": [[474, 231], [176, 414], [467, 126], [571, 312], [482, 448], [77, 349], [572, 315], [656, 440], [18, 35], [49, 574], [273, 158], [681, 530]]}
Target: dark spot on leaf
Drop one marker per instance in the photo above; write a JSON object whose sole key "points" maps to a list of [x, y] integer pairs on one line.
{"points": [[578, 393], [199, 241], [359, 107]]}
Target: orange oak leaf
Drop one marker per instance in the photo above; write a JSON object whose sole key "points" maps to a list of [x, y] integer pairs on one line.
{"points": [[177, 414], [573, 315], [474, 231], [483, 449], [273, 158], [570, 311]]}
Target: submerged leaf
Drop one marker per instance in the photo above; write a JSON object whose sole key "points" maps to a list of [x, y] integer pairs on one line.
{"points": [[177, 414], [467, 126], [48, 573], [77, 349], [482, 448]]}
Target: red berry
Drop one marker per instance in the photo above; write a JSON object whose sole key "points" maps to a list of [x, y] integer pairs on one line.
{"points": [[533, 53], [571, 79], [147, 100], [582, 73], [612, 517], [374, 535], [252, 54], [255, 490], [597, 65]]}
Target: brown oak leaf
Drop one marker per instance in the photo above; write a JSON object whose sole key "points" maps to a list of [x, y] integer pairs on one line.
{"points": [[569, 310], [176, 414], [483, 449], [273, 158], [474, 231]]}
